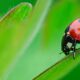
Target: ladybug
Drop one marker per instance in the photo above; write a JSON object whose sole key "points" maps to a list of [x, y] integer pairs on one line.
{"points": [[71, 37]]}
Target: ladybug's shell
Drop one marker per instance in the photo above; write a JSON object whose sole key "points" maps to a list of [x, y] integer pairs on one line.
{"points": [[74, 29]]}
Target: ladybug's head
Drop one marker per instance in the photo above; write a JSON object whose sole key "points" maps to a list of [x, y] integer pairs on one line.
{"points": [[67, 43]]}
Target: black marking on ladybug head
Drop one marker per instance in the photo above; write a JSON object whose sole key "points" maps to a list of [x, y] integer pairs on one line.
{"points": [[67, 44]]}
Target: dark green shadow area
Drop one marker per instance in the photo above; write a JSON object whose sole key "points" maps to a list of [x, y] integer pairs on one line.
{"points": [[6, 5], [73, 75]]}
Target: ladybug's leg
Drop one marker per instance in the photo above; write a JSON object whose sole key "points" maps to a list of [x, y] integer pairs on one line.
{"points": [[74, 48], [66, 50]]}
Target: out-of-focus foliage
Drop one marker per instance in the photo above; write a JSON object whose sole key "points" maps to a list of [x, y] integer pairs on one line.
{"points": [[17, 33], [6, 5], [11, 36]]}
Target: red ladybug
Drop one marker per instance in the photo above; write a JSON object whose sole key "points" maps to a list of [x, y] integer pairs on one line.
{"points": [[71, 38]]}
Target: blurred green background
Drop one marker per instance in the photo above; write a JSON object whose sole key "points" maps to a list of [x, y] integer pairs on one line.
{"points": [[6, 5], [45, 48]]}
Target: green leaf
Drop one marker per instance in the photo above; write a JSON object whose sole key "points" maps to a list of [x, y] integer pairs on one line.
{"points": [[60, 69], [32, 28], [9, 40]]}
